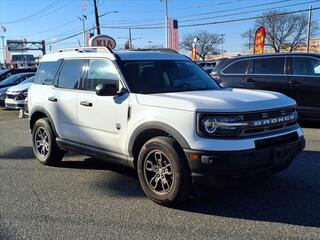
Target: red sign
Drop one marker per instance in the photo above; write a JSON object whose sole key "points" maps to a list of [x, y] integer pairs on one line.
{"points": [[102, 41], [259, 40], [173, 34]]}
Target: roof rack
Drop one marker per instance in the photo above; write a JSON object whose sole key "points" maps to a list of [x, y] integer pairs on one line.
{"points": [[87, 49], [163, 50]]}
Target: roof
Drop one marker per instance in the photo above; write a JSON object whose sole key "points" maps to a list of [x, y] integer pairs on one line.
{"points": [[105, 53], [276, 54]]}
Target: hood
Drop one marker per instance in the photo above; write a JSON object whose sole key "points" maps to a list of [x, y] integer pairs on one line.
{"points": [[20, 87], [5, 86], [225, 100], [2, 92]]}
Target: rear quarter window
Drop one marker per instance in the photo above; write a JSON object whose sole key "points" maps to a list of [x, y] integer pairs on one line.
{"points": [[46, 72]]}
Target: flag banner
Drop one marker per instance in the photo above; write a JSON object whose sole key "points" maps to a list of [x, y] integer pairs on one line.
{"points": [[173, 35], [259, 40], [194, 54]]}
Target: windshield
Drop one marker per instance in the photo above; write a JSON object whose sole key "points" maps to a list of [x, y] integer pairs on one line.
{"points": [[10, 79], [160, 76], [29, 80]]}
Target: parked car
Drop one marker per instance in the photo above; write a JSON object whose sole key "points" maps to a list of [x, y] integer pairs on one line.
{"points": [[11, 81], [296, 75], [5, 73], [160, 114], [15, 96]]}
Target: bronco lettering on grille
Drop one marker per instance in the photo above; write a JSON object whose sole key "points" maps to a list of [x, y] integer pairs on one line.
{"points": [[274, 120]]}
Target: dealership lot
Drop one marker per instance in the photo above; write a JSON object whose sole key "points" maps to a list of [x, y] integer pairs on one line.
{"points": [[89, 199]]}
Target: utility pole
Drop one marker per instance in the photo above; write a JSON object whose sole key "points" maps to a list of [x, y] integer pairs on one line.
{"points": [[166, 21], [96, 16], [309, 29], [3, 30], [249, 43], [4, 51], [222, 38], [130, 39]]}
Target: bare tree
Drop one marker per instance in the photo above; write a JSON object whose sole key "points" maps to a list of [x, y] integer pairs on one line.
{"points": [[207, 44], [283, 30]]}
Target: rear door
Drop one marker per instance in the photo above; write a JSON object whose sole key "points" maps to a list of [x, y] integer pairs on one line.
{"points": [[305, 83], [64, 98], [267, 73], [233, 74]]}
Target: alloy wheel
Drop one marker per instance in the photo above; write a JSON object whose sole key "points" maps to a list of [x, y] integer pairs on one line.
{"points": [[158, 172]]}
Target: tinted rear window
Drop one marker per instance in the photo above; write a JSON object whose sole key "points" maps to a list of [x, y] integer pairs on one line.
{"points": [[47, 72], [237, 67], [305, 66], [269, 65]]}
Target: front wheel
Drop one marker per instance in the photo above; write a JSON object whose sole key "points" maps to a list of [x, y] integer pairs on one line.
{"points": [[163, 171], [44, 144]]}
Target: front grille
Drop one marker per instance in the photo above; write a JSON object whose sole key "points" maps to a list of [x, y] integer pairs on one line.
{"points": [[11, 96], [271, 118]]}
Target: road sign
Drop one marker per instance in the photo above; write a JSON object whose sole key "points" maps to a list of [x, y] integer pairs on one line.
{"points": [[102, 41]]}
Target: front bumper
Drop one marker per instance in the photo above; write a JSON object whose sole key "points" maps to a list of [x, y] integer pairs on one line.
{"points": [[269, 155], [14, 104]]}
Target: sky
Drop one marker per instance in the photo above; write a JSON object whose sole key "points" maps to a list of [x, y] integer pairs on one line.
{"points": [[54, 20]]}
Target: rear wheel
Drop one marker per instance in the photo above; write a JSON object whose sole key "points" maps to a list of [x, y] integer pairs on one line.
{"points": [[163, 171], [44, 144]]}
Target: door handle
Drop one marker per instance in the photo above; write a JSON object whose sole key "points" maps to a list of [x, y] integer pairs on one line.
{"points": [[86, 103], [249, 80], [52, 99], [294, 82]]}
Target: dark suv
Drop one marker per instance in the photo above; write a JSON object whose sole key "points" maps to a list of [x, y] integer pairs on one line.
{"points": [[295, 74]]}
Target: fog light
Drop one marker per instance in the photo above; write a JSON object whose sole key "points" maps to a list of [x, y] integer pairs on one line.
{"points": [[207, 159]]}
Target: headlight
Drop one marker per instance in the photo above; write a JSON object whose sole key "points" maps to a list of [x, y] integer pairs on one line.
{"points": [[22, 95], [220, 125], [2, 95]]}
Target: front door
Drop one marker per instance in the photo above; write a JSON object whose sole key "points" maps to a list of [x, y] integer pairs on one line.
{"points": [[305, 84], [102, 119]]}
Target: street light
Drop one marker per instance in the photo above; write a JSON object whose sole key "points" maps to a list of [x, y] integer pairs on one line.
{"points": [[83, 18], [99, 16], [108, 13]]}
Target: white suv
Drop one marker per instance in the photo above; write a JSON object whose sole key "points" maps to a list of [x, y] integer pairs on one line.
{"points": [[161, 114]]}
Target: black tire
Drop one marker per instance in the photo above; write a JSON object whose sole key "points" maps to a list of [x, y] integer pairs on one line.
{"points": [[175, 163], [51, 154]]}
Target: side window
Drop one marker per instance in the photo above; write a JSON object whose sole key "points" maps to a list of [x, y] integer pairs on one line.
{"points": [[305, 66], [237, 67], [70, 74], [273, 65], [47, 72], [100, 71]]}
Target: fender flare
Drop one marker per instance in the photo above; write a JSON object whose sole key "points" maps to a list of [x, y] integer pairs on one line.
{"points": [[156, 126], [46, 113]]}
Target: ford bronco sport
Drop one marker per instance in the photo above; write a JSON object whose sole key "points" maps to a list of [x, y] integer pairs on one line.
{"points": [[161, 114]]}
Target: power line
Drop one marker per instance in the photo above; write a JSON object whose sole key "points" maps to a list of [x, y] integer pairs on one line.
{"points": [[44, 14], [142, 21], [221, 16], [244, 19], [189, 25]]}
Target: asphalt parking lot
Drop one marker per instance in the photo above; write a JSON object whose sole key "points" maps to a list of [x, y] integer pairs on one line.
{"points": [[88, 199]]}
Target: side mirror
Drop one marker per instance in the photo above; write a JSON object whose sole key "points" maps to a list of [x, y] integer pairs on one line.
{"points": [[107, 89]]}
